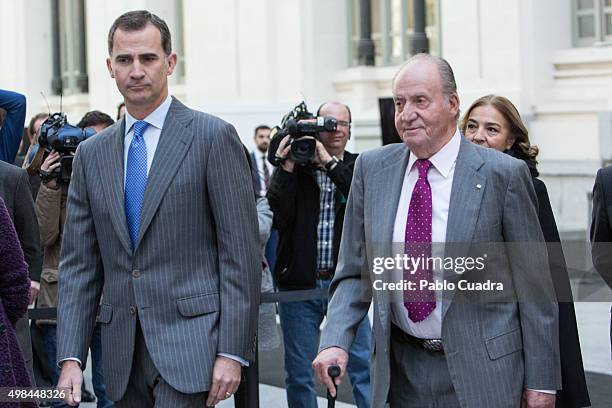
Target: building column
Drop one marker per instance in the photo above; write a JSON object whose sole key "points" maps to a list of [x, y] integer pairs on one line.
{"points": [[365, 47], [418, 41]]}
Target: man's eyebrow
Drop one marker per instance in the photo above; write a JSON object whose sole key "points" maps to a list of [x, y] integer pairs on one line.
{"points": [[147, 55]]}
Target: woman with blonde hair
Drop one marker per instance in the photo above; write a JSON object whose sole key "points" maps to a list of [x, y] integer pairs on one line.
{"points": [[493, 121]]}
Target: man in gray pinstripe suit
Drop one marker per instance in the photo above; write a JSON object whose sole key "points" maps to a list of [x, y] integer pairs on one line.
{"points": [[161, 223], [444, 347]]}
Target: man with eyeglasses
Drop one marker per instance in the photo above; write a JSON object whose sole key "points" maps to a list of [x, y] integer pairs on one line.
{"points": [[308, 204]]}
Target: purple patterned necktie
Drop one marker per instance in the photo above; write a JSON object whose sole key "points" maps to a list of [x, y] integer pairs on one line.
{"points": [[420, 303]]}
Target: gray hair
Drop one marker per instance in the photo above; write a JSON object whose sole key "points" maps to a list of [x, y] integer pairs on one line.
{"points": [[136, 21], [449, 85]]}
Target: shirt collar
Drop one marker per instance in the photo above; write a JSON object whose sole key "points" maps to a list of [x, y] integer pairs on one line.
{"points": [[445, 158], [155, 118]]}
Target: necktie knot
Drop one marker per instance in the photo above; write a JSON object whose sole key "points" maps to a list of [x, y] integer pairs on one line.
{"points": [[423, 165], [139, 128]]}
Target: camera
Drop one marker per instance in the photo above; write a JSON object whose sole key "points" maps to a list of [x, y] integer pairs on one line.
{"points": [[57, 134], [298, 124]]}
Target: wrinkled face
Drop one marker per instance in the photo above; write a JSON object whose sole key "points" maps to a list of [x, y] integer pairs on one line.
{"points": [[140, 67], [487, 127], [262, 139], [336, 141], [424, 116]]}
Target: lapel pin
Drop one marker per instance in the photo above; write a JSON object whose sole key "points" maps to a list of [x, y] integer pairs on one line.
{"points": [[478, 185]]}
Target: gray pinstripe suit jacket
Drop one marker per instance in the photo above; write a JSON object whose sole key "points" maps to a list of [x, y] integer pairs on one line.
{"points": [[193, 281], [493, 347]]}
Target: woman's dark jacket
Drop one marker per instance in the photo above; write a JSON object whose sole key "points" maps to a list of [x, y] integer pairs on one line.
{"points": [[574, 392]]}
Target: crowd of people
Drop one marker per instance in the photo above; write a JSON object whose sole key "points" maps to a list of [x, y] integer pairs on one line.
{"points": [[157, 247]]}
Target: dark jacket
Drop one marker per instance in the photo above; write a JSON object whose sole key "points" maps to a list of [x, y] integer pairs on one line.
{"points": [[574, 392], [17, 196], [294, 200], [601, 225], [14, 294]]}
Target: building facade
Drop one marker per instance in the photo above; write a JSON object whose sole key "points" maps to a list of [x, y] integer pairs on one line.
{"points": [[251, 61]]}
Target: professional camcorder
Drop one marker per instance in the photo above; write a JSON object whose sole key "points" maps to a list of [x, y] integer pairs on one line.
{"points": [[298, 124], [57, 134]]}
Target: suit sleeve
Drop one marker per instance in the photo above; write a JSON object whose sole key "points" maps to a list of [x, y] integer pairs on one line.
{"points": [[342, 175], [350, 295], [27, 226], [12, 129], [81, 274], [601, 233], [538, 309], [264, 217], [232, 203]]}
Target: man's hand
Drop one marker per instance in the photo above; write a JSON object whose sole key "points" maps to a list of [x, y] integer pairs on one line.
{"points": [[34, 289], [225, 380], [283, 153], [49, 165], [328, 357], [535, 399], [321, 157], [70, 380]]}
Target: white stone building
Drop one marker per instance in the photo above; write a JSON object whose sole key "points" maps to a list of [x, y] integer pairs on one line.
{"points": [[250, 61]]}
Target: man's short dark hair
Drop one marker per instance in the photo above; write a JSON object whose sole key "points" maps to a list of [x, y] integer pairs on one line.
{"points": [[136, 21], [94, 118], [36, 117], [261, 127]]}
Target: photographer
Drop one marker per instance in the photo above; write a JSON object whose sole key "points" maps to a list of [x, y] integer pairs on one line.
{"points": [[308, 202], [51, 213]]}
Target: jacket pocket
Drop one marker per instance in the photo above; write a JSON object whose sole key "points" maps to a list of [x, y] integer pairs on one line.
{"points": [[504, 344], [105, 313], [198, 305]]}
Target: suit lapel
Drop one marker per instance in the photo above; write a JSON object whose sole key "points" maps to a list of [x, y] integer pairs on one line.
{"points": [[113, 187], [388, 184], [387, 188], [464, 207], [174, 142]]}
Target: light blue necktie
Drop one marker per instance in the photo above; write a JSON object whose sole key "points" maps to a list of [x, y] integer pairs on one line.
{"points": [[135, 179]]}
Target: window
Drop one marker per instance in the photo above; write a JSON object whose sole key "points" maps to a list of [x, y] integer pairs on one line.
{"points": [[392, 28], [592, 22], [69, 47]]}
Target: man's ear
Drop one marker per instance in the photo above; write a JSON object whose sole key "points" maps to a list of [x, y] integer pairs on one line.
{"points": [[172, 61], [454, 104], [110, 67]]}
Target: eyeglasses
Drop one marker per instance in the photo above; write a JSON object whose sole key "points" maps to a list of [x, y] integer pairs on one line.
{"points": [[342, 123]]}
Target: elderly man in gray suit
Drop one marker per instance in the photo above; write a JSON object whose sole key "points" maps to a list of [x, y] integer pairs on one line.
{"points": [[162, 226], [439, 347]]}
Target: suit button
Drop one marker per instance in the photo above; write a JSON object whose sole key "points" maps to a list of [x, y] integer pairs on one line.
{"points": [[132, 310], [136, 273]]}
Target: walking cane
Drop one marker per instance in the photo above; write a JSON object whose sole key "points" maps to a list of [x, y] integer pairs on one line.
{"points": [[333, 371]]}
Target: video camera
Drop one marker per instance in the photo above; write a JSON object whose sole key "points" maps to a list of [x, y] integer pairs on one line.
{"points": [[298, 123], [57, 134]]}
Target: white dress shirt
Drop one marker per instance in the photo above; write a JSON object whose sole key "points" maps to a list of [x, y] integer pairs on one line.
{"points": [[440, 177], [151, 135]]}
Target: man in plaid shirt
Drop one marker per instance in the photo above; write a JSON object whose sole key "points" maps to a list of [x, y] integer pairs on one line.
{"points": [[308, 204]]}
